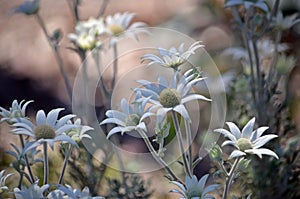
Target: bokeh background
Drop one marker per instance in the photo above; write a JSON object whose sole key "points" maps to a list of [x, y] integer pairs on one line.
{"points": [[28, 70]]}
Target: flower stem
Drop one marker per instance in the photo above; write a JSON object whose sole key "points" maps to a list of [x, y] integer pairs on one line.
{"points": [[157, 157], [179, 138], [55, 48], [102, 8], [65, 164], [230, 177], [189, 142], [26, 161], [115, 65], [46, 163]]}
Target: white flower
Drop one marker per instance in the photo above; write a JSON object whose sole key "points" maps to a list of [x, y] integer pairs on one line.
{"points": [[166, 97], [48, 129], [87, 34], [130, 118], [67, 192], [34, 191], [173, 57], [120, 24], [247, 141], [3, 179], [79, 131], [16, 111], [194, 189]]}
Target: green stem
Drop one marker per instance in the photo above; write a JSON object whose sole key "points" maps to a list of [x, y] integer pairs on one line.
{"points": [[189, 142], [180, 142], [115, 65], [26, 161], [65, 164], [46, 163], [97, 59], [157, 157], [229, 178], [102, 8], [55, 49]]}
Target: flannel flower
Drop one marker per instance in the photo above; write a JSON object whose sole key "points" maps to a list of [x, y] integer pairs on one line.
{"points": [[16, 111], [87, 32], [194, 189], [78, 132], [34, 191], [48, 129], [130, 117], [173, 57], [68, 192], [3, 179], [167, 97], [119, 25], [247, 141]]}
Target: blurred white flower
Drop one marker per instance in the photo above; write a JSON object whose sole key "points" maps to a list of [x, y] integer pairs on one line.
{"points": [[247, 141], [194, 189], [119, 25], [173, 57]]}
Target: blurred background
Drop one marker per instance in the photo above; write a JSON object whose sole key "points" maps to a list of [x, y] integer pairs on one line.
{"points": [[28, 69]]}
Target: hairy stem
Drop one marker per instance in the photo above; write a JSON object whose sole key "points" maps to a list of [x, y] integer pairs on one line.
{"points": [[189, 142], [102, 8], [115, 65], [65, 164], [157, 157], [46, 163], [229, 178], [26, 161], [180, 142], [55, 49]]}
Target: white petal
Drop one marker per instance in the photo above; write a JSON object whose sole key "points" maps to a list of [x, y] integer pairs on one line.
{"points": [[263, 140], [234, 130], [258, 132], [236, 153], [262, 151], [183, 112], [226, 133], [194, 97], [40, 117], [248, 128]]}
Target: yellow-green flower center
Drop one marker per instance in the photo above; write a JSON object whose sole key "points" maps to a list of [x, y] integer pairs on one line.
{"points": [[132, 120], [169, 98], [116, 29], [44, 132], [244, 144]]}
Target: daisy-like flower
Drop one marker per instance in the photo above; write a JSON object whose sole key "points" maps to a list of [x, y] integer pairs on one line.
{"points": [[167, 97], [248, 141], [68, 192], [173, 57], [34, 191], [194, 189], [48, 129], [87, 32], [16, 111], [130, 117], [79, 131], [3, 179], [120, 25]]}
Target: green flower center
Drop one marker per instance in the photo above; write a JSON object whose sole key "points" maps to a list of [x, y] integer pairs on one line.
{"points": [[169, 98], [44, 132], [244, 144], [115, 29], [132, 120]]}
